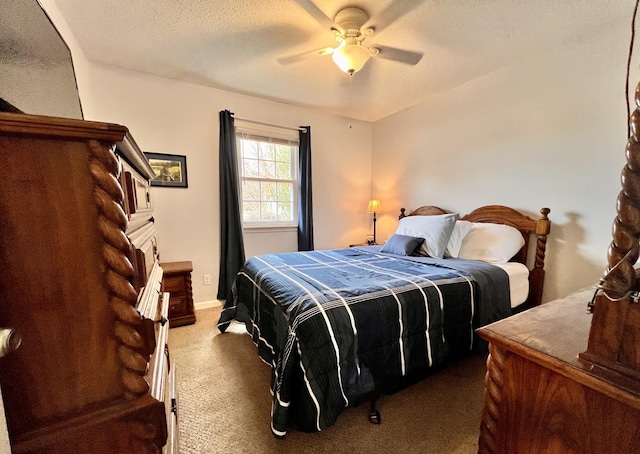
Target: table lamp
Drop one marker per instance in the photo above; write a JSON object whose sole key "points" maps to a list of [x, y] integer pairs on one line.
{"points": [[374, 205]]}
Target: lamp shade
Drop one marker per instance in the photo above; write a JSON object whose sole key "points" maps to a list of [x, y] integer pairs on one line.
{"points": [[374, 206], [350, 58]]}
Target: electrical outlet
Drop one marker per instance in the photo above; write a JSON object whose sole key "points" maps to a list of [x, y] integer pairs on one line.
{"points": [[206, 279]]}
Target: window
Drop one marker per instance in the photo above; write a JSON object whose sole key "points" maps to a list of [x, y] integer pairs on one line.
{"points": [[268, 171]]}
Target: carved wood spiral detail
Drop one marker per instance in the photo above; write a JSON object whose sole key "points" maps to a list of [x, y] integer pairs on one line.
{"points": [[541, 244], [188, 286], [112, 222], [624, 248], [492, 397]]}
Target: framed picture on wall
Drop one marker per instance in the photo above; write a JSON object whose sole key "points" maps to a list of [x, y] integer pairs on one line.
{"points": [[170, 169]]}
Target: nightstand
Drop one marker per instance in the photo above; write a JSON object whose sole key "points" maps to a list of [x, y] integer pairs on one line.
{"points": [[363, 244], [177, 281]]}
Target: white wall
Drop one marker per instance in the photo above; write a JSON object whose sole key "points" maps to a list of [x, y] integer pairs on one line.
{"points": [[166, 116], [549, 131]]}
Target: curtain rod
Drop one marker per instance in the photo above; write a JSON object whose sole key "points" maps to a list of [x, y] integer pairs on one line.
{"points": [[269, 124]]}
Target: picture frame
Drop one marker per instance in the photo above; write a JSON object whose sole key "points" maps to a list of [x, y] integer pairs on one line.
{"points": [[170, 169]]}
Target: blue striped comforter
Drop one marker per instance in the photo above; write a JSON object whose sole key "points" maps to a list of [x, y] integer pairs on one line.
{"points": [[337, 324]]}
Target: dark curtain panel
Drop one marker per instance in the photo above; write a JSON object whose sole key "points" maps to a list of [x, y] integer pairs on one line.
{"points": [[305, 206], [231, 243]]}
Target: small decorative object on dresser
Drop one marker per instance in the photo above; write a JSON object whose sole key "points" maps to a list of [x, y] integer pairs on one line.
{"points": [[177, 281]]}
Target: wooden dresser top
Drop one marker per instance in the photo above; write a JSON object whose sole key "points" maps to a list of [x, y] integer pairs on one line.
{"points": [[177, 267], [552, 335]]}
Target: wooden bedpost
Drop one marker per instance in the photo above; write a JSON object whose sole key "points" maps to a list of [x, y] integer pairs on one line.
{"points": [[614, 337], [536, 278]]}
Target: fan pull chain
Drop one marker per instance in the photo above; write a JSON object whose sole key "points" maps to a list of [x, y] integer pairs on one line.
{"points": [[350, 94]]}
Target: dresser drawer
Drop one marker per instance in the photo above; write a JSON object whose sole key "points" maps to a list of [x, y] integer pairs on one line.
{"points": [[153, 307], [158, 377], [175, 285], [177, 282], [171, 404], [144, 243], [138, 204], [177, 306]]}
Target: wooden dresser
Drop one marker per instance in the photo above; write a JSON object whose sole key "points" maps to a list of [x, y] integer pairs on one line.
{"points": [[177, 282], [80, 283], [541, 398]]}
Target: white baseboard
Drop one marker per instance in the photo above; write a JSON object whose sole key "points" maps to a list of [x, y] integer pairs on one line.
{"points": [[207, 304]]}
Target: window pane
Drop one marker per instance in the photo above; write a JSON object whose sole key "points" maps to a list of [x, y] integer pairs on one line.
{"points": [[283, 153], [285, 211], [268, 191], [285, 192], [283, 170], [251, 211], [266, 151], [250, 168], [251, 191], [249, 149], [269, 211], [267, 169]]}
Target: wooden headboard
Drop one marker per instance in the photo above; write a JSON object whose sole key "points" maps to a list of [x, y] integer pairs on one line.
{"points": [[529, 228]]}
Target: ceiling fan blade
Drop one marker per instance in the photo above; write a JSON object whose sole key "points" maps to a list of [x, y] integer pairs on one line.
{"points": [[310, 53], [394, 11], [318, 15], [403, 56]]}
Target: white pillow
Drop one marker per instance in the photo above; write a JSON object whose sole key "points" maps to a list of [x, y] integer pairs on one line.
{"points": [[436, 231], [460, 230], [496, 243]]}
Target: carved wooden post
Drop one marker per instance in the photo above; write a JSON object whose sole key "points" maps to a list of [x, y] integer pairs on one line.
{"points": [[493, 381], [536, 278], [614, 338]]}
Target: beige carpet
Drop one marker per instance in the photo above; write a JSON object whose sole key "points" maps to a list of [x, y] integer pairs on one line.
{"points": [[224, 403]]}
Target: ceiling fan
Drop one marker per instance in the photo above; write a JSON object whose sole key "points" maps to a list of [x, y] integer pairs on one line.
{"points": [[350, 31]]}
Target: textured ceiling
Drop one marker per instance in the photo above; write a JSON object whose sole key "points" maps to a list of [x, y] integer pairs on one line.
{"points": [[234, 44]]}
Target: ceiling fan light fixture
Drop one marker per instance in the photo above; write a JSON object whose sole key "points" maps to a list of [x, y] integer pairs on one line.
{"points": [[350, 58]]}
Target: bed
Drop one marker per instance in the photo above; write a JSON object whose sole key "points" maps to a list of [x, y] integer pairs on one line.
{"points": [[338, 326]]}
